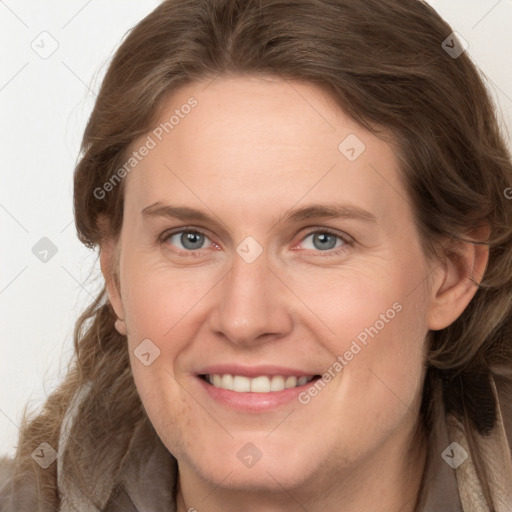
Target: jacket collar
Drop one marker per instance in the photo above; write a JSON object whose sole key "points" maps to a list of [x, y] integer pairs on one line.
{"points": [[439, 491], [141, 478], [148, 480], [496, 460], [451, 482]]}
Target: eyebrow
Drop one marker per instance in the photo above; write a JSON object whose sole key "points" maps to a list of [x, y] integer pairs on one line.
{"points": [[175, 212], [324, 211], [328, 211]]}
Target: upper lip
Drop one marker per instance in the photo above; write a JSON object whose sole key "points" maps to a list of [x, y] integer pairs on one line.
{"points": [[252, 371]]}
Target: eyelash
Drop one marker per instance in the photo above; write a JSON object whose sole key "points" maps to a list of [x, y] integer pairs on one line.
{"points": [[347, 241]]}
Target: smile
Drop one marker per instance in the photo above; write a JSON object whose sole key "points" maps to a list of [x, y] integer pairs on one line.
{"points": [[260, 384]]}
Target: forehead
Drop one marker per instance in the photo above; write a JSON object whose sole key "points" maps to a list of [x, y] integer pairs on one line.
{"points": [[262, 144]]}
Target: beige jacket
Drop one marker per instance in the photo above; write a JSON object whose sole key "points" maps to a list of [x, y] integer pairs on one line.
{"points": [[144, 478]]}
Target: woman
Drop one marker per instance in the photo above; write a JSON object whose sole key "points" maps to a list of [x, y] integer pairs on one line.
{"points": [[303, 220]]}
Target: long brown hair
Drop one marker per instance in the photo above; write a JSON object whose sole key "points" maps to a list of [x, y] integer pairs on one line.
{"points": [[383, 63]]}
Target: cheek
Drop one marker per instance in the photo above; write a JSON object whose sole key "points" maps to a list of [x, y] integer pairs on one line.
{"points": [[157, 389], [160, 302], [357, 304], [376, 339], [163, 305]]}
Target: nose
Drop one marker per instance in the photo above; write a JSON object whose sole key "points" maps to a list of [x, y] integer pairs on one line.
{"points": [[251, 304]]}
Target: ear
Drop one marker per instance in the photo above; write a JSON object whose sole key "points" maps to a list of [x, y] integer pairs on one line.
{"points": [[109, 264], [456, 279]]}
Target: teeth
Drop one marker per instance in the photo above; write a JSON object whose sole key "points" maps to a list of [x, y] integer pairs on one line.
{"points": [[240, 384], [302, 380], [227, 382], [290, 382], [262, 384], [277, 383]]}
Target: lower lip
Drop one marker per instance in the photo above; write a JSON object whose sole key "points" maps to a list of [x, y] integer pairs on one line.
{"points": [[253, 402]]}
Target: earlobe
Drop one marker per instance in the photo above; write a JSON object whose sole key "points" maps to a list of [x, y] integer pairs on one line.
{"points": [[120, 327], [456, 282]]}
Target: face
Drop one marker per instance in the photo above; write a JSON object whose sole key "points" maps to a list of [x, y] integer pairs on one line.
{"points": [[272, 285]]}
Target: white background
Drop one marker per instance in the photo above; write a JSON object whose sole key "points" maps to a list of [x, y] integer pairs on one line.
{"points": [[45, 104]]}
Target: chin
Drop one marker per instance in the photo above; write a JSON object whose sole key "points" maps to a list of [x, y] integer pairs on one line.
{"points": [[239, 465], [258, 479]]}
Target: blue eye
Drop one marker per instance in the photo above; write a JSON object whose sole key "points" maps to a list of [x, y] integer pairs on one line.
{"points": [[325, 241], [189, 240]]}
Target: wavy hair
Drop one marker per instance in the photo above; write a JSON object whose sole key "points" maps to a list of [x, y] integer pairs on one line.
{"points": [[383, 63]]}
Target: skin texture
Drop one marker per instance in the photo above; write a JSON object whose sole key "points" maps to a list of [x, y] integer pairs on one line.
{"points": [[252, 149]]}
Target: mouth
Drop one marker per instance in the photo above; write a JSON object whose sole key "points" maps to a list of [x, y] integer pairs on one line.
{"points": [[254, 389], [259, 384]]}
